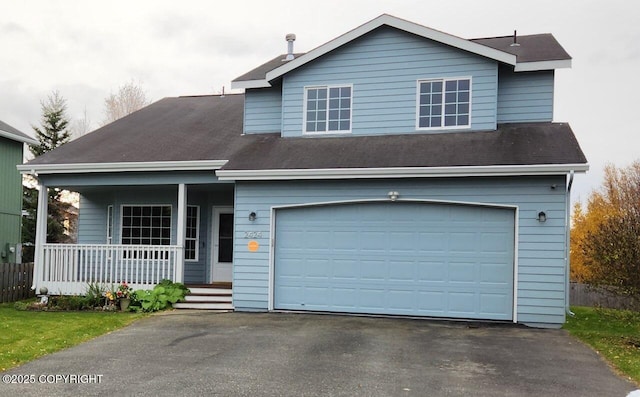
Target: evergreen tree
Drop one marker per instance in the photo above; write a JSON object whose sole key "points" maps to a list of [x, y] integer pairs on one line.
{"points": [[52, 133], [53, 130]]}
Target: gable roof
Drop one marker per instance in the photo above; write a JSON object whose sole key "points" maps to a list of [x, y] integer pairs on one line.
{"points": [[262, 76], [513, 148], [173, 133], [7, 131]]}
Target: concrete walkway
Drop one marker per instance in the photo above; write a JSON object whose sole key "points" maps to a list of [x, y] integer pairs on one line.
{"points": [[186, 353]]}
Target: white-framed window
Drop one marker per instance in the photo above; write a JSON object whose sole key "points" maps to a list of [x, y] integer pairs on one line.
{"points": [[444, 103], [110, 224], [192, 233], [145, 225], [327, 109]]}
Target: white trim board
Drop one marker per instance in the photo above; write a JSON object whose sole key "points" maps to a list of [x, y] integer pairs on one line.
{"points": [[130, 166], [400, 172]]}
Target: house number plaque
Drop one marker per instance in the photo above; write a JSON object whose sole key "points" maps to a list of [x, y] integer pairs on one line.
{"points": [[252, 234]]}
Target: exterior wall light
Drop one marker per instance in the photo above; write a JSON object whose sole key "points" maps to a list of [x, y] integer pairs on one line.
{"points": [[542, 216], [252, 216], [393, 196]]}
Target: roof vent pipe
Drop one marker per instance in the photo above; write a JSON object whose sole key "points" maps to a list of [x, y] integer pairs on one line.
{"points": [[290, 39], [515, 39]]}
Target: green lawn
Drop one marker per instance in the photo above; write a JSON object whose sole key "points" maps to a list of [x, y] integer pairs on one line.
{"points": [[615, 334], [26, 335]]}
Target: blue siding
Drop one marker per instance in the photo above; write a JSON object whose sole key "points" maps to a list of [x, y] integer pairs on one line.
{"points": [[263, 110], [384, 67], [525, 96], [92, 221], [92, 217], [541, 253]]}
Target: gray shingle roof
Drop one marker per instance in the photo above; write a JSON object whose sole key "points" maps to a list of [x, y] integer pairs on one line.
{"points": [[172, 129], [531, 48], [12, 133], [210, 128], [510, 144]]}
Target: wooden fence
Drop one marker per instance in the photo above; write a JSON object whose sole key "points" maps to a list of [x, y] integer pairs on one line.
{"points": [[15, 281], [585, 295]]}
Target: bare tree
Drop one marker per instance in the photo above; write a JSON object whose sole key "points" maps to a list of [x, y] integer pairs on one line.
{"points": [[82, 126], [129, 98]]}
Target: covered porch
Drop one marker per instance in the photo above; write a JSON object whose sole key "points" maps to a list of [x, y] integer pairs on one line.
{"points": [[139, 229]]}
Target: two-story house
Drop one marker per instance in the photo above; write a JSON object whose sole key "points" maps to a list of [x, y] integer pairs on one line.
{"points": [[11, 154], [394, 170]]}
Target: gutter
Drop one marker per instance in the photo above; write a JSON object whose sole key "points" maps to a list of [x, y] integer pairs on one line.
{"points": [[568, 246], [147, 166], [399, 172]]}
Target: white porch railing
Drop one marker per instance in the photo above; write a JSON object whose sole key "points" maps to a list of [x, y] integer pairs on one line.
{"points": [[69, 268]]}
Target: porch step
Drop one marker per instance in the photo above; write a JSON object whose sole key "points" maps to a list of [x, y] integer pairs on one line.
{"points": [[208, 297]]}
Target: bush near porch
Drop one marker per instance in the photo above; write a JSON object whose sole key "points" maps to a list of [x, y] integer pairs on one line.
{"points": [[27, 335]]}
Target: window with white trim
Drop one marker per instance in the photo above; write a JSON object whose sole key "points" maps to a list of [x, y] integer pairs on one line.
{"points": [[110, 224], [146, 225], [192, 233], [444, 103], [327, 109]]}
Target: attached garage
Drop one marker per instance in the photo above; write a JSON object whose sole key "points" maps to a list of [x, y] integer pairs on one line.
{"points": [[402, 258]]}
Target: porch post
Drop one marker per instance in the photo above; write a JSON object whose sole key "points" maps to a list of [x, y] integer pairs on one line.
{"points": [[182, 215], [41, 235]]}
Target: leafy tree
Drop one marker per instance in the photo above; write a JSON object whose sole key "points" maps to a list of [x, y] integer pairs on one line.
{"points": [[605, 245], [53, 132], [129, 98]]}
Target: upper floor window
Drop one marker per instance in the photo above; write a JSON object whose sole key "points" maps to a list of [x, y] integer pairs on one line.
{"points": [[444, 103], [328, 109]]}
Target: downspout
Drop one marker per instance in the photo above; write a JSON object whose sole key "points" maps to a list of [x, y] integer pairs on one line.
{"points": [[568, 245]]}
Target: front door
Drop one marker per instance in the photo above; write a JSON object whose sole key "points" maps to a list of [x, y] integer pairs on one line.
{"points": [[222, 260]]}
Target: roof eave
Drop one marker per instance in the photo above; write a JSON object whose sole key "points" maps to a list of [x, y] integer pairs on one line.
{"points": [[397, 23], [542, 65], [196, 165], [18, 138], [244, 84], [401, 172]]}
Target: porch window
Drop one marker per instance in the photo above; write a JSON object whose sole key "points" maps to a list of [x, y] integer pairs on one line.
{"points": [[192, 234], [110, 224], [146, 224]]}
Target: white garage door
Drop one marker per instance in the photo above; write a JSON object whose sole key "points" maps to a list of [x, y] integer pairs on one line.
{"points": [[418, 259]]}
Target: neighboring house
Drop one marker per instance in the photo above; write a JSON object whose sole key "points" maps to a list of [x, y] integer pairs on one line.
{"points": [[394, 170], [11, 154]]}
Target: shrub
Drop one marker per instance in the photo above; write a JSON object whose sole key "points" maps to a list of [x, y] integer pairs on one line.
{"points": [[161, 297], [95, 295]]}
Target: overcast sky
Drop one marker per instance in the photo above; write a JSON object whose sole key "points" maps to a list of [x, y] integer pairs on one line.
{"points": [[87, 49]]}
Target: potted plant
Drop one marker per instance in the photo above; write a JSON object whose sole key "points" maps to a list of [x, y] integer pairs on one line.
{"points": [[124, 296]]}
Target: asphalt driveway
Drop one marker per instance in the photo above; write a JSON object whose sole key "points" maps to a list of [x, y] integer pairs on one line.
{"points": [[187, 353]]}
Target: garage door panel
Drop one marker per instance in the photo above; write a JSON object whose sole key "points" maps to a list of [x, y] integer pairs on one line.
{"points": [[494, 304], [396, 258], [462, 303], [402, 271], [462, 272]]}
